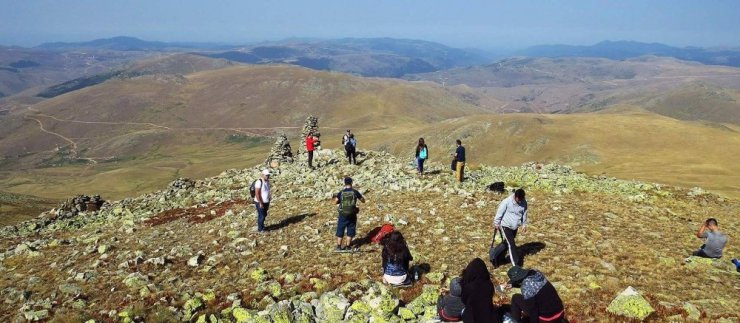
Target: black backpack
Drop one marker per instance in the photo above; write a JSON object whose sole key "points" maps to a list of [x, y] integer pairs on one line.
{"points": [[252, 189], [497, 187]]}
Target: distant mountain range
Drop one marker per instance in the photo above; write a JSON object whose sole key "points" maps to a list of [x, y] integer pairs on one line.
{"points": [[620, 50], [125, 43]]}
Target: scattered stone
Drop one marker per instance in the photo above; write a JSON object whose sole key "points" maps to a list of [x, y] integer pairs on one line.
{"points": [[195, 260], [630, 304]]}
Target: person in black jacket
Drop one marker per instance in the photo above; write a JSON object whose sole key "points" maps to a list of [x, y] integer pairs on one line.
{"points": [[477, 294], [539, 300]]}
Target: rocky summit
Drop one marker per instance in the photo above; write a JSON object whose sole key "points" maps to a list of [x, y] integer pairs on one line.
{"points": [[190, 252]]}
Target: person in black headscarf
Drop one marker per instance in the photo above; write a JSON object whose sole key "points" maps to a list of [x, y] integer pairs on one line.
{"points": [[477, 294]]}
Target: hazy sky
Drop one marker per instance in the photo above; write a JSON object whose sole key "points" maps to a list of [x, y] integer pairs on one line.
{"points": [[483, 24]]}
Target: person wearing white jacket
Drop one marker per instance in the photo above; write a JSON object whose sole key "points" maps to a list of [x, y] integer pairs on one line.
{"points": [[510, 216]]}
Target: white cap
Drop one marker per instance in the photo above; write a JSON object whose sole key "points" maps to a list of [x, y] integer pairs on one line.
{"points": [[266, 172]]}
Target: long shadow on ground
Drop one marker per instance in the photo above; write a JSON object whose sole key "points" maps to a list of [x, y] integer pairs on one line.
{"points": [[288, 221]]}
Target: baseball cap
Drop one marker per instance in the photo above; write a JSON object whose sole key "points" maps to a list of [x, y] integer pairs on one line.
{"points": [[266, 172]]}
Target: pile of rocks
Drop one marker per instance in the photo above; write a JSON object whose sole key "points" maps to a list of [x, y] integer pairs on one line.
{"points": [[280, 152], [311, 126]]}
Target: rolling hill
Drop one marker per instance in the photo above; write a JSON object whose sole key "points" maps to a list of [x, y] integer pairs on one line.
{"points": [[566, 85], [620, 50]]}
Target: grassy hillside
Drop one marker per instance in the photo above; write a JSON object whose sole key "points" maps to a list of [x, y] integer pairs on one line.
{"points": [[566, 85], [623, 143]]}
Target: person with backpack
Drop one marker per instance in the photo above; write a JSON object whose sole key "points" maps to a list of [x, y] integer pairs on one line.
{"points": [[346, 200], [477, 294], [422, 154], [345, 138], [351, 148], [538, 300], [262, 197], [310, 146], [458, 159], [510, 215], [395, 260], [714, 240], [450, 306]]}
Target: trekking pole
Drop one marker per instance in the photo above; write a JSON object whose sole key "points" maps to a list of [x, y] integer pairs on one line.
{"points": [[493, 241]]}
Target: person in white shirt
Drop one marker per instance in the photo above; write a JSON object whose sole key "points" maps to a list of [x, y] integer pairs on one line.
{"points": [[262, 198]]}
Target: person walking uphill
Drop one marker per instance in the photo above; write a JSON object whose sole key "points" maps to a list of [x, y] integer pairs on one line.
{"points": [[510, 215], [310, 146], [262, 198], [539, 300], [351, 148], [346, 200], [477, 294], [422, 154], [459, 158]]}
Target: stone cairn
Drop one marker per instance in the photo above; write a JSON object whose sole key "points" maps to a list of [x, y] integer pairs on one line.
{"points": [[77, 204], [280, 152], [310, 126]]}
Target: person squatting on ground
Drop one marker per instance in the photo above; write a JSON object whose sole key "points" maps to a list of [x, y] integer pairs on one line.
{"points": [[311, 140], [450, 306], [351, 149], [262, 198], [477, 294], [395, 259], [510, 215], [346, 200], [714, 241], [539, 300], [459, 156], [422, 154]]}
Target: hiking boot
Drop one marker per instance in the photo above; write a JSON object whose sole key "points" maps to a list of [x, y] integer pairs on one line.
{"points": [[346, 248], [338, 248]]}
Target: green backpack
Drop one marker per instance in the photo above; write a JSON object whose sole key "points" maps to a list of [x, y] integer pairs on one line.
{"points": [[347, 203]]}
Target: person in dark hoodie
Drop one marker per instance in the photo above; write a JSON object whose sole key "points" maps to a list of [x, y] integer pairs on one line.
{"points": [[450, 306], [539, 300], [477, 294]]}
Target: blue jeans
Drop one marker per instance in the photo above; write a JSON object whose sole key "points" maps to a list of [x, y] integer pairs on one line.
{"points": [[420, 165], [261, 215]]}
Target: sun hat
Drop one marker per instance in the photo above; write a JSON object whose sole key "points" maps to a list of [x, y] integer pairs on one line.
{"points": [[517, 274]]}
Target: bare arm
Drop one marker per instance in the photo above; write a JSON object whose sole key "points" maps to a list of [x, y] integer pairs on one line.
{"points": [[700, 233]]}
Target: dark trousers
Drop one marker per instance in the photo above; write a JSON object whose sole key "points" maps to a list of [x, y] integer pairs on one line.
{"points": [[508, 244], [352, 156], [420, 165], [310, 158], [518, 306], [261, 215]]}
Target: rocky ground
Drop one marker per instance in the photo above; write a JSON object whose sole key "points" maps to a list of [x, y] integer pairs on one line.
{"points": [[190, 253]]}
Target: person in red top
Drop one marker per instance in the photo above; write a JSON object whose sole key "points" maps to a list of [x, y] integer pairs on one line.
{"points": [[310, 142]]}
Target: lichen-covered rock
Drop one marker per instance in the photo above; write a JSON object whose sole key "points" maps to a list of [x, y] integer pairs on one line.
{"points": [[303, 312], [281, 312], [693, 313], [191, 307], [332, 307], [630, 304], [428, 297], [406, 314], [136, 281], [242, 315], [259, 274]]}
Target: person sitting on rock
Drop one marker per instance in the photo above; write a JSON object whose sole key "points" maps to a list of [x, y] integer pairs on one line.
{"points": [[450, 306], [714, 240], [346, 200], [396, 258], [477, 294], [539, 300]]}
